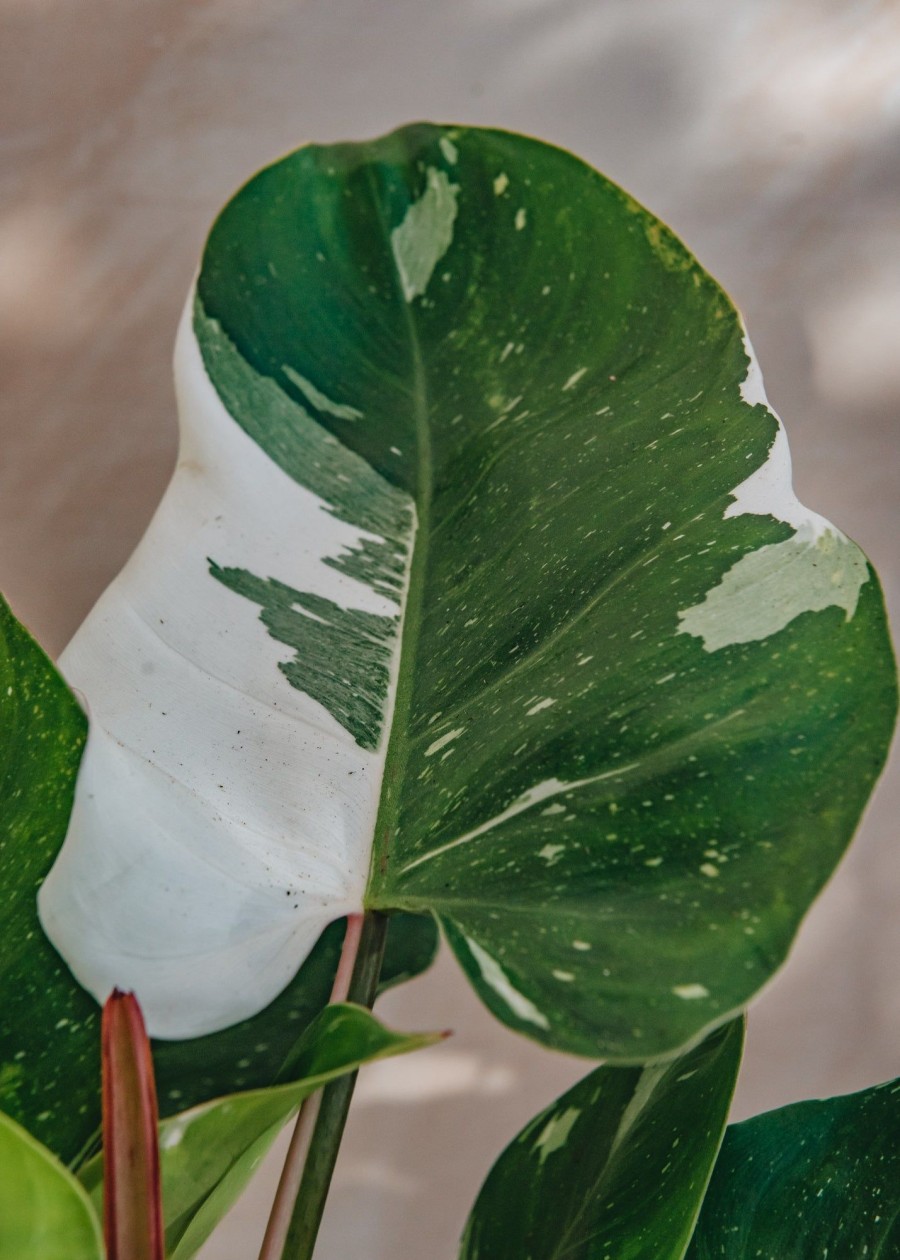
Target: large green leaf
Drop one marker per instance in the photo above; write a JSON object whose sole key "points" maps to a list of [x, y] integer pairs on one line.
{"points": [[481, 588], [616, 1168], [50, 1030], [209, 1153], [813, 1180], [44, 1212]]}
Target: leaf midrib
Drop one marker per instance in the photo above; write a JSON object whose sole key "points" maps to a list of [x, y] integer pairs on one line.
{"points": [[398, 747]]}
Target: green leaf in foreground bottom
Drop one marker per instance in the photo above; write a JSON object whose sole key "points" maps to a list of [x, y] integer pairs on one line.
{"points": [[616, 1168], [209, 1153], [813, 1180], [44, 1212]]}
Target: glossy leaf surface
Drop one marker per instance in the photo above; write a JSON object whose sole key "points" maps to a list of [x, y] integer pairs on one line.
{"points": [[210, 1152], [816, 1179], [616, 1168], [481, 589], [44, 1212]]}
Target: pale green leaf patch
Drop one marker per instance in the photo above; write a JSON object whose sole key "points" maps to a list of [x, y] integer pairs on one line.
{"points": [[424, 236], [766, 589]]}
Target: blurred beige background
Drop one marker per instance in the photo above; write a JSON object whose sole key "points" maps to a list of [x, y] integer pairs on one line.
{"points": [[767, 132]]}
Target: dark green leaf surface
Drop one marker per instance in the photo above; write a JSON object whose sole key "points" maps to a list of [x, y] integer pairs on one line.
{"points": [[616, 1168], [209, 1153], [813, 1181], [44, 1212], [638, 709], [50, 1030]]}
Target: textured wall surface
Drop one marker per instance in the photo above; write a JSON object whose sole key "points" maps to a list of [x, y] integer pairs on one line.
{"points": [[764, 131]]}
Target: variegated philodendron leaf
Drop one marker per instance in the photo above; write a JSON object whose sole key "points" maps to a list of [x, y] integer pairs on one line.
{"points": [[480, 589]]}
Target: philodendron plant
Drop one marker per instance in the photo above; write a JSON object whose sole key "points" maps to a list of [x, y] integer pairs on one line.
{"points": [[480, 600]]}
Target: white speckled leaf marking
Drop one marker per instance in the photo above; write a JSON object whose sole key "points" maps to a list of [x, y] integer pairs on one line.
{"points": [[555, 1133], [319, 400]]}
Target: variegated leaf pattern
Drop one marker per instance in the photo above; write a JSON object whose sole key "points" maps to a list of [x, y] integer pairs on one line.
{"points": [[480, 590]]}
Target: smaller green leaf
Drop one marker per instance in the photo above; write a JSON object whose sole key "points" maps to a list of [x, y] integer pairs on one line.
{"points": [[209, 1153], [616, 1168], [811, 1180], [44, 1212]]}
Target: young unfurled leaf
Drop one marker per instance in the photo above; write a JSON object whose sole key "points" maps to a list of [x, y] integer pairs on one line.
{"points": [[209, 1153], [44, 1212], [616, 1168], [132, 1207], [816, 1179], [480, 589]]}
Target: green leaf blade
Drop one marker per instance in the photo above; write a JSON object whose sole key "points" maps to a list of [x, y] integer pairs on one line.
{"points": [[816, 1179], [616, 1168], [44, 1212], [50, 1031], [556, 716]]}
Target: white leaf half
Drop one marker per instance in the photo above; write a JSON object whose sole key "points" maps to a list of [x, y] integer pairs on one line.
{"points": [[223, 817]]}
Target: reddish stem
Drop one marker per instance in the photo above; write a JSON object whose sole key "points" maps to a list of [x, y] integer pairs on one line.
{"points": [[292, 1172], [132, 1197]]}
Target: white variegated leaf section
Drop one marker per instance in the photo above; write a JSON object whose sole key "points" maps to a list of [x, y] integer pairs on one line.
{"points": [[223, 817], [816, 568]]}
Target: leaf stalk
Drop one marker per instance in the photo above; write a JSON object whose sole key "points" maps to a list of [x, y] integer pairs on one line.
{"points": [[306, 1176]]}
